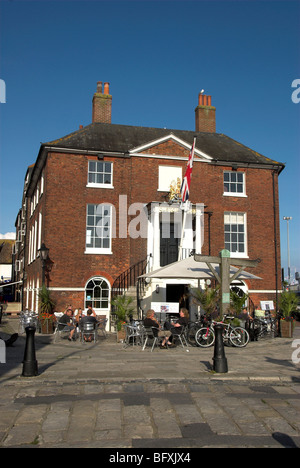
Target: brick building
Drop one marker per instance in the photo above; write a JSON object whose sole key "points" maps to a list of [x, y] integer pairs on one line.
{"points": [[99, 199]]}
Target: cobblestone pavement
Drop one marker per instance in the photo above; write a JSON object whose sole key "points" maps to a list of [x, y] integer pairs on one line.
{"points": [[102, 395]]}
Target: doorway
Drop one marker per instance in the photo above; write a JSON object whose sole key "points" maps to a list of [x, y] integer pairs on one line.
{"points": [[169, 243], [178, 293]]}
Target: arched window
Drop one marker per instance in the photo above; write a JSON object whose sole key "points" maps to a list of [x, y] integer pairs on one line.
{"points": [[239, 287], [97, 293]]}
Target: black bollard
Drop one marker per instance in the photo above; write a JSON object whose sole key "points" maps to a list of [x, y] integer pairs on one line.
{"points": [[220, 361], [30, 365]]}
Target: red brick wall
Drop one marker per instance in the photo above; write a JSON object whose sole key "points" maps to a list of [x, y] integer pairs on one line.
{"points": [[102, 108], [205, 119], [65, 232], [64, 215]]}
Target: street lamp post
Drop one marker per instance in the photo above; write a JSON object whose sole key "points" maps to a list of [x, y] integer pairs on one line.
{"points": [[287, 219], [44, 253]]}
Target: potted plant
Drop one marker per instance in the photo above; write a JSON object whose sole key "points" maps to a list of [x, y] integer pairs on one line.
{"points": [[46, 315], [237, 304], [237, 301], [207, 298], [287, 305], [122, 308]]}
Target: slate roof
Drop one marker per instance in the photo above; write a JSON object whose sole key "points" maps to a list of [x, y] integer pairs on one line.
{"points": [[6, 251], [124, 138]]}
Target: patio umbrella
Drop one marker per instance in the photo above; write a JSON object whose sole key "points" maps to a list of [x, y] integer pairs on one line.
{"points": [[190, 269]]}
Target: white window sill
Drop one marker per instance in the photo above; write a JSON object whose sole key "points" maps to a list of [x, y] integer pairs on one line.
{"points": [[91, 251], [105, 186], [238, 255], [235, 194]]}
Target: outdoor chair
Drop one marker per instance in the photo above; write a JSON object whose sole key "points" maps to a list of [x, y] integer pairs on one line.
{"points": [[102, 326], [150, 333], [27, 318], [60, 330], [133, 335], [88, 329], [179, 333]]}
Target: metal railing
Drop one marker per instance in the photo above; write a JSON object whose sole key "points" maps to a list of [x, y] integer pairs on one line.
{"points": [[129, 278]]}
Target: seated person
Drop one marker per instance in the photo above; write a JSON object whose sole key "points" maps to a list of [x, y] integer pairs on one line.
{"points": [[91, 310], [244, 315], [66, 323], [150, 321], [90, 318], [79, 315], [183, 320]]}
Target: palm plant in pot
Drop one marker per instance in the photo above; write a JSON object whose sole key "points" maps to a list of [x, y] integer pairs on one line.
{"points": [[122, 307], [207, 298], [237, 303], [46, 315], [288, 303]]}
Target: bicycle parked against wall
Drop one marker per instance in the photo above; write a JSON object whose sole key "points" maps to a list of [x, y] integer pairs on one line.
{"points": [[264, 327], [234, 336]]}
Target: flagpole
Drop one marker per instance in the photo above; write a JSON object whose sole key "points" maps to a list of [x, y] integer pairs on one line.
{"points": [[184, 207], [185, 204]]}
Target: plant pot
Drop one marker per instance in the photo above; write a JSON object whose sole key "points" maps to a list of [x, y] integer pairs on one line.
{"points": [[286, 328], [121, 335], [47, 327]]}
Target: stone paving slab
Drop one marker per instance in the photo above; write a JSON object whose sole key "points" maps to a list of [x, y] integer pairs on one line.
{"points": [[104, 396]]}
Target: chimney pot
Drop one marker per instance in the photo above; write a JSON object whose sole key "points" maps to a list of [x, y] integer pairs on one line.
{"points": [[99, 87], [106, 88]]}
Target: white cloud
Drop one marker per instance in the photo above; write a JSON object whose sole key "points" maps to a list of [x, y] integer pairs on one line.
{"points": [[8, 235]]}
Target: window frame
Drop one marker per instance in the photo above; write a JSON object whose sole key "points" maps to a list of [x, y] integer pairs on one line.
{"points": [[93, 228], [99, 184], [236, 253], [230, 182], [97, 282]]}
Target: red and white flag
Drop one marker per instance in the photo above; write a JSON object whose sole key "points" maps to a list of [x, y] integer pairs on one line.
{"points": [[186, 183]]}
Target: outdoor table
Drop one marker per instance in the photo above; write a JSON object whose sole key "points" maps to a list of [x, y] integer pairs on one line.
{"points": [[166, 316]]}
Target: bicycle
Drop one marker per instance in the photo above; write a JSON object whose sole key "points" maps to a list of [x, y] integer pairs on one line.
{"points": [[192, 329], [264, 328], [234, 336]]}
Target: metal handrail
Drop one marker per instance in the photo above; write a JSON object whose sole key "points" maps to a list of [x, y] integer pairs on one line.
{"points": [[129, 278]]}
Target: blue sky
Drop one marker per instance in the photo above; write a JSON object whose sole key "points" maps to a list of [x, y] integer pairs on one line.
{"points": [[157, 56]]}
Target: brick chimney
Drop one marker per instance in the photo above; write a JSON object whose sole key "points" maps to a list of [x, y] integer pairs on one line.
{"points": [[102, 104], [205, 115]]}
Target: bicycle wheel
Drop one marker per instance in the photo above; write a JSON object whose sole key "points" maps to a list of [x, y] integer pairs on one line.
{"points": [[191, 333], [205, 337], [239, 337]]}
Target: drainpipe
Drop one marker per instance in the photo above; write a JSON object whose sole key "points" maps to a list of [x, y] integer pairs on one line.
{"points": [[275, 237]]}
